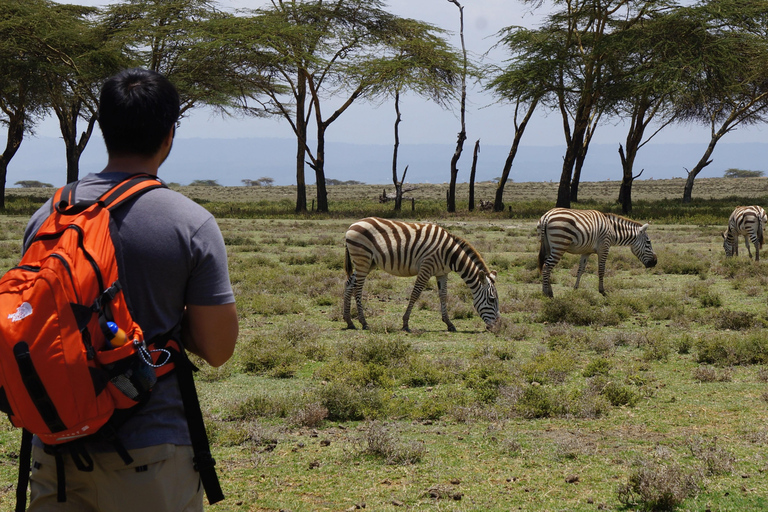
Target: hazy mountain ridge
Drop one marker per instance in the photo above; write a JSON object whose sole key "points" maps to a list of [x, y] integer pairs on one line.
{"points": [[231, 160]]}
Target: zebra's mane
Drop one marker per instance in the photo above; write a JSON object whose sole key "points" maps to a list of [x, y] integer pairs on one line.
{"points": [[473, 254], [621, 218]]}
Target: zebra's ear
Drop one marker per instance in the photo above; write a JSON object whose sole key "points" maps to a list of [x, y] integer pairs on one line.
{"points": [[482, 275], [643, 228], [493, 276]]}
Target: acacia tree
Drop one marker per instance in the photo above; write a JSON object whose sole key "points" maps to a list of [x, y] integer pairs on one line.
{"points": [[191, 42], [728, 83], [22, 94], [324, 54], [423, 64], [524, 82], [648, 76], [78, 57], [574, 43]]}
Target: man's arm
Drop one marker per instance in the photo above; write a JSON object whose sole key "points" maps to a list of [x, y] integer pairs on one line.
{"points": [[210, 332]]}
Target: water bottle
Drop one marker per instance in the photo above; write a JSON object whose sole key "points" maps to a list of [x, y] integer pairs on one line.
{"points": [[119, 338]]}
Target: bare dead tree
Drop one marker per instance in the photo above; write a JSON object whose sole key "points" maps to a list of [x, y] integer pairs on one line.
{"points": [[472, 177], [462, 136]]}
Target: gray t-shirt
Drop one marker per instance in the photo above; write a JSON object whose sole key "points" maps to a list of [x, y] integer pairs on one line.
{"points": [[172, 254]]}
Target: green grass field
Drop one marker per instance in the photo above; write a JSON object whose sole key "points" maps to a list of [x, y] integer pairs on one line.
{"points": [[653, 397]]}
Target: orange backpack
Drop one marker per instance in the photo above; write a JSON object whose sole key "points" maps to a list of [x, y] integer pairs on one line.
{"points": [[65, 373]]}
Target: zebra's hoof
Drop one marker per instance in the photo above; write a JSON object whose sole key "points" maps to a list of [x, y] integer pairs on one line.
{"points": [[406, 328], [451, 328], [351, 327]]}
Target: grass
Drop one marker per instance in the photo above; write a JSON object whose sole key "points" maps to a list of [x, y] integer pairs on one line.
{"points": [[650, 398]]}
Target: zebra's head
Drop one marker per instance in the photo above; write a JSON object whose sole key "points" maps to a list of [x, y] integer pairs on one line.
{"points": [[728, 243], [641, 247], [486, 300]]}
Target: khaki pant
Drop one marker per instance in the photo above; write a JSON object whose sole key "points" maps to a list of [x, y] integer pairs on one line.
{"points": [[161, 478]]}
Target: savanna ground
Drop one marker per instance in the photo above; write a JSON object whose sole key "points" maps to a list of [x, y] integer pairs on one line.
{"points": [[652, 397]]}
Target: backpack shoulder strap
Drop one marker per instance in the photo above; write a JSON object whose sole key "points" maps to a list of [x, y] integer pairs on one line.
{"points": [[65, 194], [204, 462], [129, 188]]}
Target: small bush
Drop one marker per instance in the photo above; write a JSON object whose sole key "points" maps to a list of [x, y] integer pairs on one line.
{"points": [[379, 441], [577, 308], [310, 415], [552, 366], [710, 374], [658, 486], [716, 460], [599, 366], [536, 402], [734, 320], [618, 394], [348, 403]]}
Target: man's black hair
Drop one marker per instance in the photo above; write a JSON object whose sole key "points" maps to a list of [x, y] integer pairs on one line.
{"points": [[137, 109]]}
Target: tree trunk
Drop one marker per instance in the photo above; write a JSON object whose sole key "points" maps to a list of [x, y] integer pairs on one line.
{"points": [[472, 177], [702, 163], [498, 203], [577, 174], [625, 192], [319, 166], [463, 133], [13, 141], [301, 145], [455, 171], [74, 147], [398, 184]]}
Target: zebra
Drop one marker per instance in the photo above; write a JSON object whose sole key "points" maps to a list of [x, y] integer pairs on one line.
{"points": [[418, 249], [585, 232], [749, 222]]}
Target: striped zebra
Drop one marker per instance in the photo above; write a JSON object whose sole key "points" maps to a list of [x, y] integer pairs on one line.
{"points": [[585, 232], [748, 221], [418, 249]]}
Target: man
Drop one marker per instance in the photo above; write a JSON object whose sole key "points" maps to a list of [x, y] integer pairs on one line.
{"points": [[175, 265]]}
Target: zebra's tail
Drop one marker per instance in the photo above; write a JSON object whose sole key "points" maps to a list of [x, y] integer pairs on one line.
{"points": [[760, 227], [543, 246], [347, 262]]}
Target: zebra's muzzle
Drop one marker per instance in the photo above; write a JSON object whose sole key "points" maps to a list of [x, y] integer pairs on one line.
{"points": [[651, 263]]}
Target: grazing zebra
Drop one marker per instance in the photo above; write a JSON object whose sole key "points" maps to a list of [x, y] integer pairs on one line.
{"points": [[586, 232], [749, 222], [415, 249]]}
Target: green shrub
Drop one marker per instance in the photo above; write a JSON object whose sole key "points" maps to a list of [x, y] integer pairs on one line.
{"points": [[618, 394], [577, 309], [348, 403], [536, 402], [552, 366], [599, 366]]}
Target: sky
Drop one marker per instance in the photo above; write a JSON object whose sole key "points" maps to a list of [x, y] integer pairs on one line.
{"points": [[423, 122]]}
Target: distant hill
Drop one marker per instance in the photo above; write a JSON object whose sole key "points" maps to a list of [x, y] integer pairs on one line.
{"points": [[231, 160]]}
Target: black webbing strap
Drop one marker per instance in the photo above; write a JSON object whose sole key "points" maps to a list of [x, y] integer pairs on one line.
{"points": [[25, 459], [61, 482], [134, 185], [203, 461]]}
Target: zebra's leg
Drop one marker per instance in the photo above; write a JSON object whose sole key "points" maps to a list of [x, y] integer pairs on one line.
{"points": [[582, 266], [546, 274], [602, 257], [421, 281], [442, 287], [359, 282], [546, 271], [746, 242], [348, 292]]}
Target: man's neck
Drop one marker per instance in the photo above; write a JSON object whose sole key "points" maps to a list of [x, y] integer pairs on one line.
{"points": [[132, 164]]}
